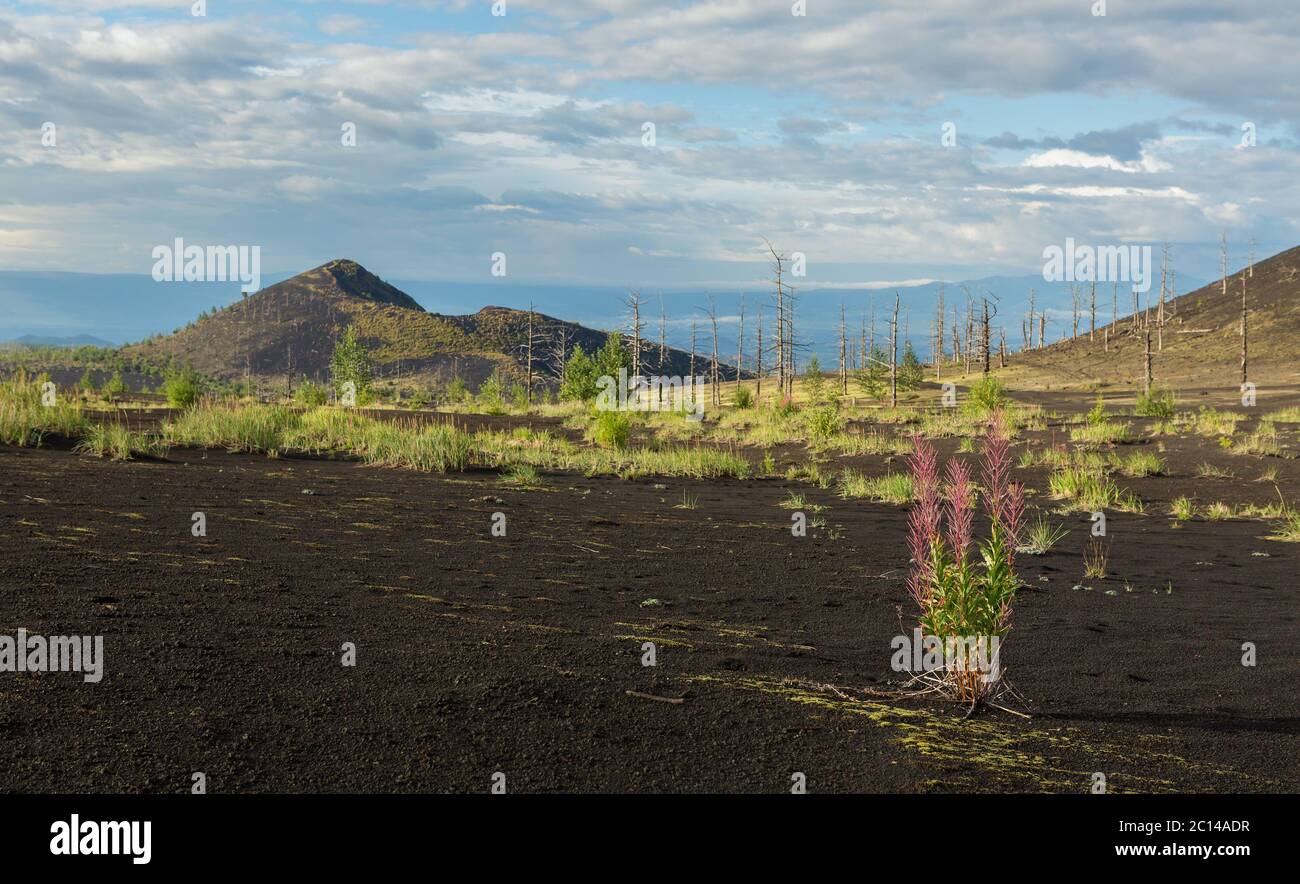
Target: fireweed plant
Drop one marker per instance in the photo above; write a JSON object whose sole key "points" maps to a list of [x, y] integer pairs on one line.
{"points": [[962, 585]]}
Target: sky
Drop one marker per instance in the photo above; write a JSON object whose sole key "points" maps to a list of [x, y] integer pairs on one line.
{"points": [[525, 134]]}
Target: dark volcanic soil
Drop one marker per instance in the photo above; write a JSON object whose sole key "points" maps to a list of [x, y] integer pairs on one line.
{"points": [[478, 654]]}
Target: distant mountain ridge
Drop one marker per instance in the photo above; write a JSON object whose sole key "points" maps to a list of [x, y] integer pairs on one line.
{"points": [[57, 341], [289, 329]]}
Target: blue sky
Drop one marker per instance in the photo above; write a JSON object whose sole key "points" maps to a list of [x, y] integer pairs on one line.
{"points": [[522, 134]]}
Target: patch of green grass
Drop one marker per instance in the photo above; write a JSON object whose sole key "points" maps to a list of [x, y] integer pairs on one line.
{"points": [[24, 418], [1218, 511], [1288, 529], [249, 428], [1103, 433], [1211, 422], [1091, 491], [117, 442], [522, 474], [1182, 509], [1140, 464], [1288, 415], [1040, 536], [1264, 442], [863, 443], [893, 488], [799, 501]]}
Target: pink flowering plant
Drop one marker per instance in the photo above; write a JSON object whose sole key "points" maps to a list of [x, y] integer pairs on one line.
{"points": [[962, 585]]}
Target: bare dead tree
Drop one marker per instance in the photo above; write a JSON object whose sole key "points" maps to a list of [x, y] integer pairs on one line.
{"points": [[1092, 329], [758, 357], [1114, 311], [790, 341], [1002, 347], [984, 335], [1160, 310], [937, 347], [782, 319], [713, 319], [956, 341], [1028, 324], [1244, 373], [970, 329], [692, 347], [531, 339], [893, 355], [862, 342], [560, 337], [1146, 361], [663, 335], [1223, 260], [1250, 258], [740, 344], [1074, 308], [844, 354], [634, 307]]}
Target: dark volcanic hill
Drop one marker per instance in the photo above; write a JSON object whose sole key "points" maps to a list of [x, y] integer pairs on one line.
{"points": [[1201, 338], [290, 329]]}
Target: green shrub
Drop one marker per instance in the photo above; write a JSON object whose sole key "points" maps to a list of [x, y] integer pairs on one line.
{"points": [[311, 395], [611, 429], [1098, 413], [114, 388], [491, 393], [1156, 402], [457, 391], [743, 397], [823, 422], [182, 387], [986, 395], [814, 383], [350, 363]]}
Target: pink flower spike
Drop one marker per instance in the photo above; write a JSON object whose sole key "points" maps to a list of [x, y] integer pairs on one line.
{"points": [[924, 522], [960, 497]]}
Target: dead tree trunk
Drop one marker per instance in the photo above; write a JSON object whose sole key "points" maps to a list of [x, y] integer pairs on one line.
{"points": [[713, 318], [531, 314], [893, 356], [984, 336], [692, 349], [740, 345], [1223, 260], [1244, 372], [938, 335], [844, 355], [1092, 329], [1146, 361]]}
